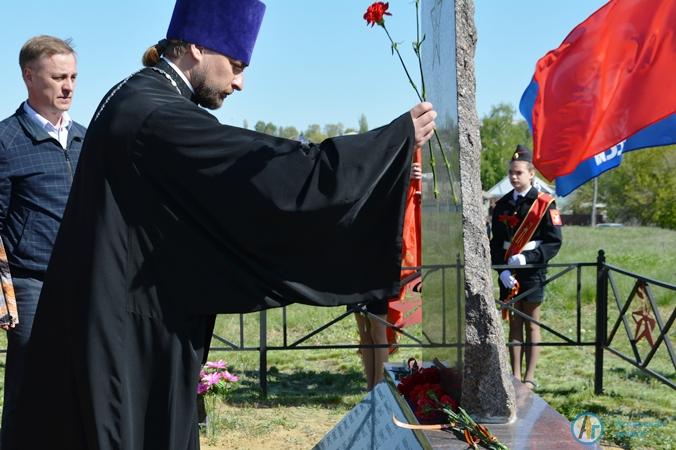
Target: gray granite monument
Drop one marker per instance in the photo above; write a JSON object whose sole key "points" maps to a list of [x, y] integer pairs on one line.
{"points": [[460, 309], [487, 390]]}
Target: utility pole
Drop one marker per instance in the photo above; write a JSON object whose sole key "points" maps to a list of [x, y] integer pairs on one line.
{"points": [[596, 191]]}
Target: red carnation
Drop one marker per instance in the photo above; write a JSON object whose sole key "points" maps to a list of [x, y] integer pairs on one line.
{"points": [[447, 400], [508, 220], [374, 14]]}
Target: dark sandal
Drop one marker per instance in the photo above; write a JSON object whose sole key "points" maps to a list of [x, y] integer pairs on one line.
{"points": [[533, 385]]}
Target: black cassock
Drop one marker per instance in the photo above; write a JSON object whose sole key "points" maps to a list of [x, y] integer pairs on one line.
{"points": [[174, 218]]}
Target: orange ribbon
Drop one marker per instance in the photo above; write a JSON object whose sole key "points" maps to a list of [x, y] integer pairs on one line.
{"points": [[512, 294]]}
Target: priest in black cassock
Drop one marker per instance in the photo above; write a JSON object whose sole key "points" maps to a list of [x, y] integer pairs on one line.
{"points": [[174, 218]]}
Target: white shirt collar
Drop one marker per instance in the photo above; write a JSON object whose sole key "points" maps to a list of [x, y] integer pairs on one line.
{"points": [[516, 194], [59, 133], [180, 73], [46, 124]]}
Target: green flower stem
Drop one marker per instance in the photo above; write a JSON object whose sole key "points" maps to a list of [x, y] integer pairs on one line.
{"points": [[461, 421], [420, 98], [433, 164], [451, 180], [212, 415], [416, 48], [401, 60]]}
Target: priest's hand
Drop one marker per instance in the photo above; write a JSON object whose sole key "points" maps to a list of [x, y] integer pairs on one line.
{"points": [[423, 116]]}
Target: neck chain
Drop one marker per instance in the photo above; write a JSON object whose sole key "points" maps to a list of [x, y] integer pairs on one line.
{"points": [[123, 82], [168, 77]]}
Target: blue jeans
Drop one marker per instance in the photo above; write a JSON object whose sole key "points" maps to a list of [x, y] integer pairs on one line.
{"points": [[27, 291]]}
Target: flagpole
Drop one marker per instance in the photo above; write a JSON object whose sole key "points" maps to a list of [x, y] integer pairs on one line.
{"points": [[596, 191]]}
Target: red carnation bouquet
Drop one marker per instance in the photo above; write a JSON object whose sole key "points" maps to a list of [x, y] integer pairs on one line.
{"points": [[434, 394], [423, 391]]}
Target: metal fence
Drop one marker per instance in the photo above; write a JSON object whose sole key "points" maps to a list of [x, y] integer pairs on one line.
{"points": [[603, 341], [649, 317], [606, 289]]}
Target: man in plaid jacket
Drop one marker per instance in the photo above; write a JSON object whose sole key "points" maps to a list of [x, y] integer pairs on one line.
{"points": [[39, 150]]}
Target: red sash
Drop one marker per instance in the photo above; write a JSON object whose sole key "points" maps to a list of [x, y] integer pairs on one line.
{"points": [[530, 224]]}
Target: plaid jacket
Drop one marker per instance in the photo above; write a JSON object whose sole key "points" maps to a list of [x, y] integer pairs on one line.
{"points": [[35, 178]]}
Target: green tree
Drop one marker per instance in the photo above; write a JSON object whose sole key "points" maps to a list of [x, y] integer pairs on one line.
{"points": [[643, 188], [245, 124], [288, 132], [500, 134], [363, 124], [260, 126], [334, 129], [270, 128], [581, 198], [314, 133]]}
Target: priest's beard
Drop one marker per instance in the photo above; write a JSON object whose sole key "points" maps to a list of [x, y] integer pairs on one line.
{"points": [[206, 95]]}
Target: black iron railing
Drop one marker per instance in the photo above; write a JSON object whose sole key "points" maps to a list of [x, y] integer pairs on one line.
{"points": [[646, 319], [602, 340], [606, 283]]}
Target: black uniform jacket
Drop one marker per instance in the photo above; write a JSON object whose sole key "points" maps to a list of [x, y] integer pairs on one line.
{"points": [[174, 217], [548, 235]]}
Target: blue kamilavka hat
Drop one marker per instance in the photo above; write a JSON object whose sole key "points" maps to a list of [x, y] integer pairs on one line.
{"points": [[229, 27]]}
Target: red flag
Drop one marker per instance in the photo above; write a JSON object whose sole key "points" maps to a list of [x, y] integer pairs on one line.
{"points": [[402, 311], [611, 77]]}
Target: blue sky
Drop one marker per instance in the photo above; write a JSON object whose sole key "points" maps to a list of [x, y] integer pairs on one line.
{"points": [[316, 61]]}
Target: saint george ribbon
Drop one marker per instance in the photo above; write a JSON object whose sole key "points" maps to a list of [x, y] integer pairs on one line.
{"points": [[8, 311]]}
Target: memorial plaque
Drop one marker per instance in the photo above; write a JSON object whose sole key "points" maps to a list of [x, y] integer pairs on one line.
{"points": [[369, 425], [443, 292]]}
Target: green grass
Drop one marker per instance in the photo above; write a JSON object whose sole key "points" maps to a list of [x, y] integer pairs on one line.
{"points": [[310, 390], [637, 411]]}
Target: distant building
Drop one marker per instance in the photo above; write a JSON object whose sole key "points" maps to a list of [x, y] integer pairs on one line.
{"points": [[504, 186]]}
